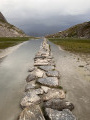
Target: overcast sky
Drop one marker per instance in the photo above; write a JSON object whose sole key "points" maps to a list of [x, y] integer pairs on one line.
{"points": [[40, 17]]}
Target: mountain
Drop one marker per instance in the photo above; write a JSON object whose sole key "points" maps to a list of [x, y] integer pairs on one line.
{"points": [[77, 31], [8, 30]]}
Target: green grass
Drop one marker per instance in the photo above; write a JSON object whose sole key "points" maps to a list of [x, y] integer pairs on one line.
{"points": [[73, 44], [6, 42]]}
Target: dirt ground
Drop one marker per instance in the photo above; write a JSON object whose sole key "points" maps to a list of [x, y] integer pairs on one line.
{"points": [[75, 79]]}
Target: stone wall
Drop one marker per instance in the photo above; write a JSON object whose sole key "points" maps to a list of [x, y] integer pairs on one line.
{"points": [[44, 99]]}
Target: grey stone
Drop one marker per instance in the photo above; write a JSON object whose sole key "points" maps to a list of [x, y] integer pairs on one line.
{"points": [[30, 86], [58, 104], [39, 57], [38, 91], [47, 68], [43, 53], [43, 62], [52, 74], [81, 65], [30, 77], [52, 64], [29, 99], [59, 115], [32, 113], [49, 81], [54, 93], [42, 57], [31, 69], [50, 57]]}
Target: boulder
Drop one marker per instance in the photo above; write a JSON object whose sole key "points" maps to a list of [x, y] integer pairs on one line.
{"points": [[29, 99], [30, 77], [59, 115], [47, 68], [49, 81], [58, 104], [32, 113], [53, 73], [54, 93]]}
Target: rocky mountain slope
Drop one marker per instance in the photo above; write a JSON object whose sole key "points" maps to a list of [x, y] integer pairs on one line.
{"points": [[8, 30], [78, 31]]}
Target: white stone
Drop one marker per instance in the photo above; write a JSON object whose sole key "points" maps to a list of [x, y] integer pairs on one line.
{"points": [[45, 89], [39, 73]]}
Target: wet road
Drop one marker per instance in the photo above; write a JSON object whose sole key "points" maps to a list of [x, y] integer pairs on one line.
{"points": [[13, 71]]}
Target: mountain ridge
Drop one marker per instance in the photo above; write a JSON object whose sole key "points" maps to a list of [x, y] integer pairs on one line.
{"points": [[9, 30], [78, 31]]}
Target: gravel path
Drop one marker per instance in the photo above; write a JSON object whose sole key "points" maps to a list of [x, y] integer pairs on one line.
{"points": [[75, 79]]}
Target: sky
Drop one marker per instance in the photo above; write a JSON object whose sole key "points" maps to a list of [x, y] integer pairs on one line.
{"points": [[42, 17]]}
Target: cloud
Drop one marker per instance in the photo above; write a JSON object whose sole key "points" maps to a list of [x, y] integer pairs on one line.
{"points": [[45, 7], [44, 15]]}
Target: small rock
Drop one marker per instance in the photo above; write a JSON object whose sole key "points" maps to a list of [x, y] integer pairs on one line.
{"points": [[29, 99], [58, 104], [39, 57], [81, 65], [39, 91], [39, 73], [32, 113], [49, 81], [59, 115], [52, 74], [31, 69], [54, 93], [30, 86], [47, 68], [45, 89], [43, 62], [40, 63], [43, 53], [30, 77], [50, 57]]}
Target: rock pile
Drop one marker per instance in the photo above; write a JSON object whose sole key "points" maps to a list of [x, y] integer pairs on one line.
{"points": [[43, 98]]}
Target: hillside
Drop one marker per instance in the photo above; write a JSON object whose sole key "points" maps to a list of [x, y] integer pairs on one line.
{"points": [[8, 30], [77, 31]]}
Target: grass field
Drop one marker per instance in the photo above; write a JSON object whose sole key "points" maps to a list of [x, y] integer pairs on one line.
{"points": [[6, 42], [73, 44]]}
